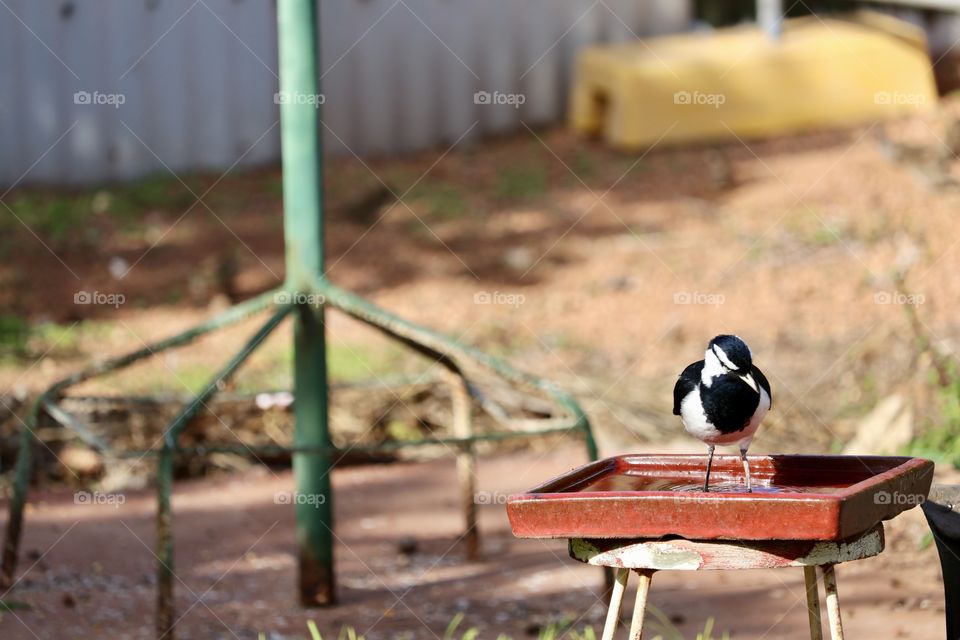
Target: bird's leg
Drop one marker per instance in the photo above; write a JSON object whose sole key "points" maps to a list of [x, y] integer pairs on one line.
{"points": [[746, 469], [706, 481]]}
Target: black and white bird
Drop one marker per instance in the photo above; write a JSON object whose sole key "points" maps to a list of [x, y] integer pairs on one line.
{"points": [[722, 399]]}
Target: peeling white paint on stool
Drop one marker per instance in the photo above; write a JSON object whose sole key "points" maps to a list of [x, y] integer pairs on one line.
{"points": [[696, 555]]}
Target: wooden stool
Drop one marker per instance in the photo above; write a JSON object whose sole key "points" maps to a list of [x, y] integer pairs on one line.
{"points": [[646, 557]]}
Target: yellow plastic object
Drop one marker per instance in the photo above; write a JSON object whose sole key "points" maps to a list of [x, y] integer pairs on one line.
{"points": [[711, 86]]}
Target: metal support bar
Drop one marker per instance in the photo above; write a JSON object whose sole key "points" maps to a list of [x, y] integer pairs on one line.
{"points": [[616, 603], [833, 601], [192, 408], [302, 156], [640, 605], [164, 614], [165, 603], [466, 463], [813, 602], [21, 482], [24, 464], [312, 470]]}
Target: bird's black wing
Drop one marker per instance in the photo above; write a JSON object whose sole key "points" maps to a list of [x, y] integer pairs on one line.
{"points": [[762, 381], [686, 383]]}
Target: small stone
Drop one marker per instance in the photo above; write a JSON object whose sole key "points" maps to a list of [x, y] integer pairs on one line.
{"points": [[622, 283], [407, 545], [118, 267], [519, 259]]}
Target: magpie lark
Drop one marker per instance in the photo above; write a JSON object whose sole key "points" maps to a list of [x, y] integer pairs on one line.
{"points": [[722, 399]]}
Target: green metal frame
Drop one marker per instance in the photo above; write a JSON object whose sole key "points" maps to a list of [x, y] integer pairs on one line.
{"points": [[313, 451]]}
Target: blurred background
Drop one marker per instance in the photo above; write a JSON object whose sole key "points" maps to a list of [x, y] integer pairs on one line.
{"points": [[141, 192]]}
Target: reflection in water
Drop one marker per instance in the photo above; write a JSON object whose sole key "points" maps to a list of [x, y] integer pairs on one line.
{"points": [[632, 482]]}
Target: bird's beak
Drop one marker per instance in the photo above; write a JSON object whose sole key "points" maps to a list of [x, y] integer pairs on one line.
{"points": [[748, 378]]}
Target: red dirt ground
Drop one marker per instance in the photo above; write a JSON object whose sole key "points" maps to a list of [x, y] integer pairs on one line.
{"points": [[88, 569]]}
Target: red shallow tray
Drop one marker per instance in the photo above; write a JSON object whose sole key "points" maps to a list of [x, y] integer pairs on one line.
{"points": [[796, 497]]}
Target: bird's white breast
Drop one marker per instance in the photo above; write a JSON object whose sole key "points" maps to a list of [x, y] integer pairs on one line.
{"points": [[697, 424]]}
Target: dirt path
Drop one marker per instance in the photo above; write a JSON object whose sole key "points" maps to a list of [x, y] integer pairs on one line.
{"points": [[87, 570]]}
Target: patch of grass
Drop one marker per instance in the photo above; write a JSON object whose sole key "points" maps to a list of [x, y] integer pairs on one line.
{"points": [[350, 363], [14, 334], [561, 630], [440, 199], [826, 235], [815, 230], [270, 368], [584, 164], [192, 378], [401, 431], [53, 217], [273, 367], [19, 340], [156, 192], [521, 184], [58, 338], [61, 216], [941, 441]]}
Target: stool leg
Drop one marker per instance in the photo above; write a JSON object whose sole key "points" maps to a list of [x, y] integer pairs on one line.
{"points": [[640, 606], [813, 602], [616, 601], [466, 465], [833, 601]]}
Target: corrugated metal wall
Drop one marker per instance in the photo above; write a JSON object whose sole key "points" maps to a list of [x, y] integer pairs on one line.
{"points": [[197, 78]]}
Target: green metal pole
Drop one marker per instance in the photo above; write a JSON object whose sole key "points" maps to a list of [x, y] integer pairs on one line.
{"points": [[300, 132], [165, 620]]}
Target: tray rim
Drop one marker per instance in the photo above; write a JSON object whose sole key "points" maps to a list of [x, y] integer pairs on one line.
{"points": [[831, 516], [906, 464]]}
